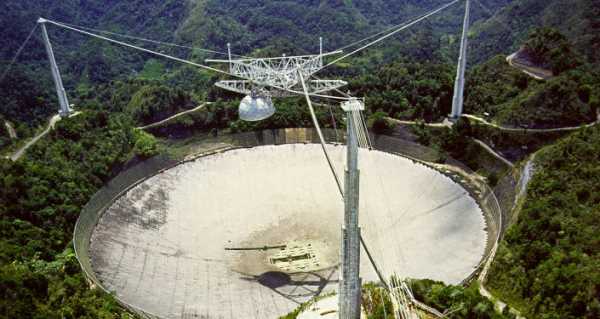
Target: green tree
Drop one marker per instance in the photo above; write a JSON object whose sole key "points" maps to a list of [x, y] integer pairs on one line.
{"points": [[380, 124], [145, 144], [152, 103], [549, 48], [547, 263]]}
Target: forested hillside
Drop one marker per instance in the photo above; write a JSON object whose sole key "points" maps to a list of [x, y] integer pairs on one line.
{"points": [[506, 31], [258, 28], [26, 93], [548, 263], [296, 25], [41, 197], [274, 27], [515, 99]]}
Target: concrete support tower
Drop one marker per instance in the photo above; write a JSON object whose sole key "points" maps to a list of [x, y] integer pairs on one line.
{"points": [[459, 84], [65, 109], [350, 283]]}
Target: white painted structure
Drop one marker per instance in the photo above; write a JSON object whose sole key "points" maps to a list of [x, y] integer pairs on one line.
{"points": [[459, 84], [161, 246], [277, 76], [350, 286], [65, 109]]}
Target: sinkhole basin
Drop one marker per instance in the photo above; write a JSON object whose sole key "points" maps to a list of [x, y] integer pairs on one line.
{"points": [[254, 232]]}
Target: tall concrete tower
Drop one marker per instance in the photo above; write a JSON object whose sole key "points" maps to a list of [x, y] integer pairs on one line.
{"points": [[459, 84], [65, 109], [350, 281]]}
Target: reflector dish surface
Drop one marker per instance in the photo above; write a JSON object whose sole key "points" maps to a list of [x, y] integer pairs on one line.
{"points": [[163, 245]]}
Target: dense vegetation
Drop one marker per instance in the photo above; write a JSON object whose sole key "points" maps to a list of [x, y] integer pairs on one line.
{"points": [[27, 92], [153, 103], [409, 90], [280, 26], [23, 101], [257, 28], [148, 101], [512, 98], [457, 301], [548, 48], [455, 142], [548, 263], [40, 199], [511, 25], [272, 27]]}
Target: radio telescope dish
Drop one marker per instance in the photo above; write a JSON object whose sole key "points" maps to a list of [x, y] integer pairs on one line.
{"points": [[256, 108]]}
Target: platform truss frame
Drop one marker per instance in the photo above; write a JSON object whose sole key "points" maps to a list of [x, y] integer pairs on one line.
{"points": [[277, 76]]}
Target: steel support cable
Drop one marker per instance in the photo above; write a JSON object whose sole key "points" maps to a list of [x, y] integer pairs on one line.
{"points": [[184, 61], [138, 48], [432, 183], [337, 135], [401, 27], [493, 16], [415, 200], [151, 41], [372, 260], [360, 128], [377, 34], [375, 266], [363, 129], [386, 202], [364, 121], [332, 168], [335, 89], [371, 36], [14, 59], [408, 25], [395, 300], [331, 97], [346, 95], [356, 129], [359, 136], [333, 121], [321, 139], [403, 300], [383, 303], [375, 240]]}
